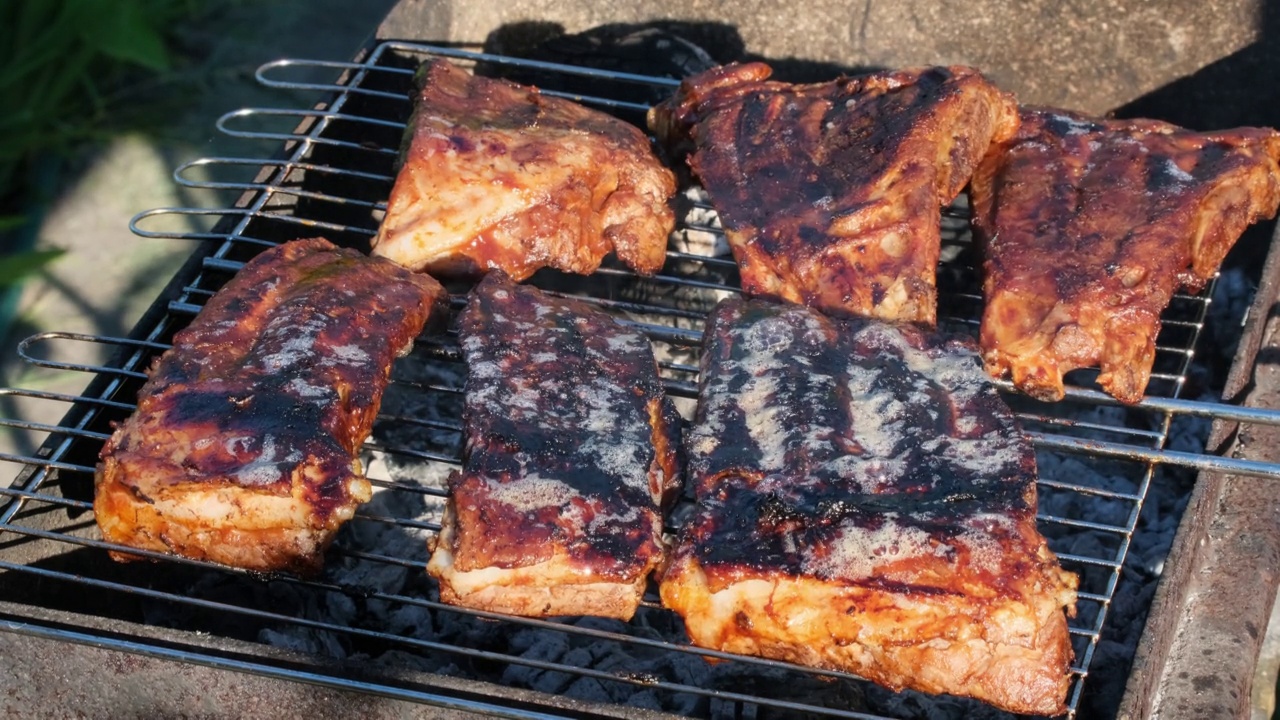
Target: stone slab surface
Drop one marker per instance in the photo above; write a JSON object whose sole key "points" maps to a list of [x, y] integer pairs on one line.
{"points": [[1091, 55]]}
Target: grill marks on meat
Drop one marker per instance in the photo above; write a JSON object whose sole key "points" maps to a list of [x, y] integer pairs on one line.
{"points": [[867, 502], [1090, 226], [498, 175], [830, 193], [571, 454], [243, 446]]}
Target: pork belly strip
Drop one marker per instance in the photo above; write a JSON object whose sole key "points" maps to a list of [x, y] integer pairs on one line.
{"points": [[866, 502], [1089, 228], [243, 447], [571, 455], [498, 175], [829, 193]]}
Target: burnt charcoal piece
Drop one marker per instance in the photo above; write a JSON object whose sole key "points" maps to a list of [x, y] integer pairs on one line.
{"points": [[571, 455], [243, 447], [830, 193], [1091, 225], [867, 502], [498, 175]]}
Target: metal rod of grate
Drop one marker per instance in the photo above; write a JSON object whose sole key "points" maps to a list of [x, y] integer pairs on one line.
{"points": [[304, 190]]}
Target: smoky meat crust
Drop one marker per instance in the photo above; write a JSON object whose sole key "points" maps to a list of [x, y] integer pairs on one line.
{"points": [[1090, 226], [571, 455], [830, 193], [866, 502], [499, 175], [243, 446]]}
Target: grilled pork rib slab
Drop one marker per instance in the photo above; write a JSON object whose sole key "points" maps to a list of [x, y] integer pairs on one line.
{"points": [[1089, 228], [243, 447], [498, 175], [866, 502], [829, 193], [571, 455]]}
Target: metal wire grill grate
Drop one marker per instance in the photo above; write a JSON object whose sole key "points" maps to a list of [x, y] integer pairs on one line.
{"points": [[330, 175]]}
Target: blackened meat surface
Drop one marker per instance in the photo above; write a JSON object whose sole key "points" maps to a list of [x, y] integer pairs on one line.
{"points": [[1089, 228], [499, 175], [830, 193], [571, 454], [243, 447], [867, 502]]}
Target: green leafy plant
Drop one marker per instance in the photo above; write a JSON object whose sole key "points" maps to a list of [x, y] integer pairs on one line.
{"points": [[66, 67], [17, 266], [65, 60], [66, 64]]}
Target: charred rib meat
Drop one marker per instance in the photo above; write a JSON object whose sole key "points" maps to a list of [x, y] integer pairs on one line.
{"points": [[243, 446], [866, 502], [830, 193], [498, 175], [571, 453], [1090, 226]]}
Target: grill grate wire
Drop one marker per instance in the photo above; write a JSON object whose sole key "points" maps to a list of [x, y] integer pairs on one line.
{"points": [[324, 182]]}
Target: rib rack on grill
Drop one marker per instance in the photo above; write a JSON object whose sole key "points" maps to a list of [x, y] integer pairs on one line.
{"points": [[830, 193], [571, 454], [867, 502], [498, 175], [1090, 226], [243, 447]]}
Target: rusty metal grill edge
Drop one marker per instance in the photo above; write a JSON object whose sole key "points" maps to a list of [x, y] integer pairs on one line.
{"points": [[276, 200]]}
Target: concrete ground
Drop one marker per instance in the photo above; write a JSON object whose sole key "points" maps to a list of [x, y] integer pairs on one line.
{"points": [[109, 276]]}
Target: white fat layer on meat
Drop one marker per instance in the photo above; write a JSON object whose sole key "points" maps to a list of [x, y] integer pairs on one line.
{"points": [[605, 426], [867, 474], [770, 347], [755, 390], [763, 418], [534, 492], [980, 538], [345, 355], [602, 522], [531, 493], [299, 344], [627, 342], [1175, 172], [267, 467], [521, 394], [437, 120], [957, 372], [857, 552], [611, 428], [877, 416], [991, 459], [766, 346], [307, 391]]}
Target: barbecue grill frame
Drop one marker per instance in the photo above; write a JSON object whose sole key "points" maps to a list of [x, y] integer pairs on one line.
{"points": [[49, 627], [1197, 653]]}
